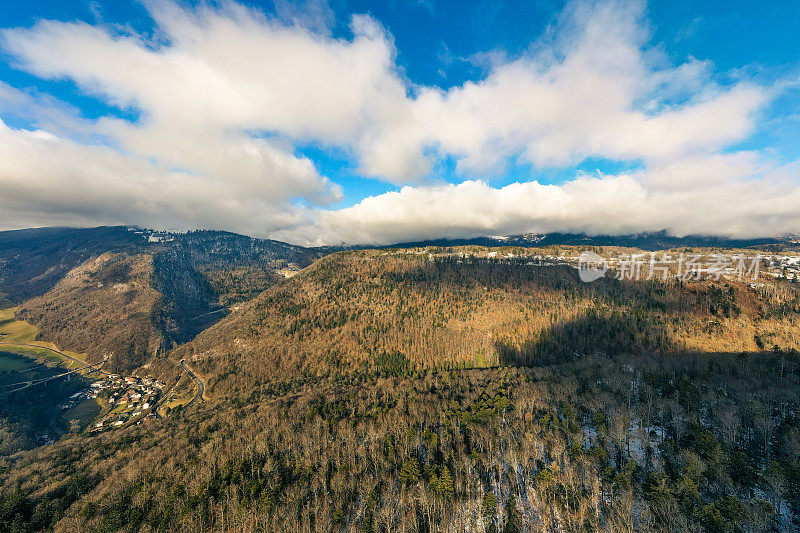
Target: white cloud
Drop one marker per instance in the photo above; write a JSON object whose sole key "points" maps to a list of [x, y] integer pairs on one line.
{"points": [[224, 94], [588, 91], [742, 207], [50, 180]]}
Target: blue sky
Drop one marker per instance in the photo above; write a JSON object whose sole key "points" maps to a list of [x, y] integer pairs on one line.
{"points": [[696, 105]]}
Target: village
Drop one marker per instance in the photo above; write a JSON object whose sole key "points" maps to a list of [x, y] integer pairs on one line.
{"points": [[127, 398], [694, 265]]}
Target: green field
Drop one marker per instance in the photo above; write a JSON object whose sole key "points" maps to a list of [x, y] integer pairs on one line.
{"points": [[13, 330], [84, 413], [14, 333]]}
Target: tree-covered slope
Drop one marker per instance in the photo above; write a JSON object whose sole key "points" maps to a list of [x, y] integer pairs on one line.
{"points": [[380, 391], [366, 309], [130, 293], [106, 307]]}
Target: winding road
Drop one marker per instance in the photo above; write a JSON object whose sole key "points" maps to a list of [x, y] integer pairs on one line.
{"points": [[199, 396], [200, 385]]}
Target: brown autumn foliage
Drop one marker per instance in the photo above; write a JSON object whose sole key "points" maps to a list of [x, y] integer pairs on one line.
{"points": [[381, 392], [598, 444], [350, 308], [107, 306]]}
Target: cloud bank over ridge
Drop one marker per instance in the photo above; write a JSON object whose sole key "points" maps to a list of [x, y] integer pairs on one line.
{"points": [[224, 96]]}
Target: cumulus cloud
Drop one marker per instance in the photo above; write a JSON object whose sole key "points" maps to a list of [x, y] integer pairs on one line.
{"points": [[223, 94], [51, 180], [612, 205], [587, 90]]}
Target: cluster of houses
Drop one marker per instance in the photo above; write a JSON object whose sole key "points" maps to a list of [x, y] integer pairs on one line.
{"points": [[787, 267], [535, 259], [128, 397], [734, 264]]}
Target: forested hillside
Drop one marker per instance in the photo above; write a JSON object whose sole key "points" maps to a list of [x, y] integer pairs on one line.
{"points": [[238, 267], [401, 391], [370, 309], [105, 307], [678, 443], [32, 261], [130, 294]]}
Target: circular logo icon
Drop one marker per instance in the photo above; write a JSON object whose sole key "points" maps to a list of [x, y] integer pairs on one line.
{"points": [[591, 266]]}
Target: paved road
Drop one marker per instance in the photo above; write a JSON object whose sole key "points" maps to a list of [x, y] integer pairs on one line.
{"points": [[200, 385], [26, 384], [62, 354]]}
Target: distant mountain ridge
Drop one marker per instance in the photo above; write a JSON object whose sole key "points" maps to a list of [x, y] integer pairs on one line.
{"points": [[134, 293], [660, 240], [33, 260]]}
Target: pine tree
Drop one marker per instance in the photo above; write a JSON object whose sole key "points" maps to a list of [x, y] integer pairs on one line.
{"points": [[513, 522], [446, 489], [409, 473], [489, 504]]}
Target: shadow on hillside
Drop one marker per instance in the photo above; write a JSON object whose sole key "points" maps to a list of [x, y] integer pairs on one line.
{"points": [[589, 335], [561, 279], [190, 304]]}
